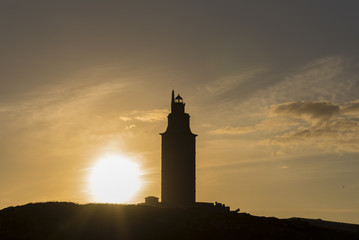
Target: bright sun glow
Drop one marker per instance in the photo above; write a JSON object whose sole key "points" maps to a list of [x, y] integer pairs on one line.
{"points": [[114, 179]]}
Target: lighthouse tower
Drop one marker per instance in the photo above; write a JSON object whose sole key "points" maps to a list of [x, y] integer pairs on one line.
{"points": [[178, 158]]}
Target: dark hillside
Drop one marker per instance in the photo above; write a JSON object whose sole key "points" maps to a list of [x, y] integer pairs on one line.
{"points": [[57, 220]]}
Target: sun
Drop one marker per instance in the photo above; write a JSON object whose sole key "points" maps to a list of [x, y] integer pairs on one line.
{"points": [[114, 179]]}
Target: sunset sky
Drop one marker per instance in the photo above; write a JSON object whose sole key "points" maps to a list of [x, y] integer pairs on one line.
{"points": [[272, 88]]}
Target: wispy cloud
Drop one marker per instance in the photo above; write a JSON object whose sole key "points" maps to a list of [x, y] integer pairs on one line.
{"points": [[331, 126], [314, 105], [351, 108], [269, 125], [333, 79], [61, 117], [125, 118], [314, 124], [153, 115], [234, 130]]}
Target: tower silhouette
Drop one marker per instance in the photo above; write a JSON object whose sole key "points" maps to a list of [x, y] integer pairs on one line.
{"points": [[178, 158]]}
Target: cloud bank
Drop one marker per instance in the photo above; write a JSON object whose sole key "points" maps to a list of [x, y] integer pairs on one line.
{"points": [[312, 111], [315, 124]]}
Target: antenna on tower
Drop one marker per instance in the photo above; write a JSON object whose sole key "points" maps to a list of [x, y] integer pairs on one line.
{"points": [[172, 100]]}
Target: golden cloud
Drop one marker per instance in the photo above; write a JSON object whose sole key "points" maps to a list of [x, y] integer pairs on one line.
{"points": [[151, 115], [234, 130]]}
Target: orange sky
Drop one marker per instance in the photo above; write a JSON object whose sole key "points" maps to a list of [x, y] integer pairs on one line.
{"points": [[272, 90]]}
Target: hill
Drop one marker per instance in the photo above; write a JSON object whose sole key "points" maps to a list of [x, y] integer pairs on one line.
{"points": [[61, 220]]}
